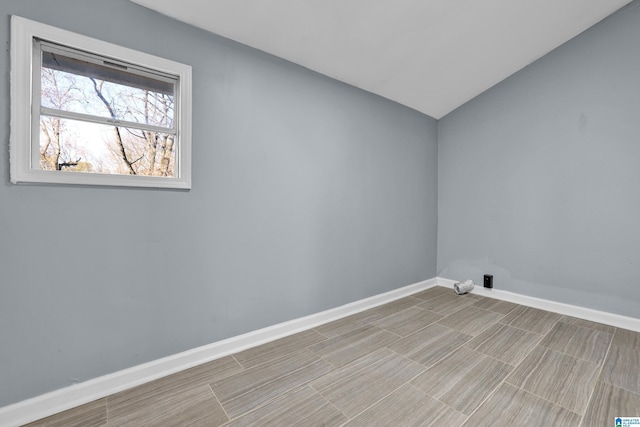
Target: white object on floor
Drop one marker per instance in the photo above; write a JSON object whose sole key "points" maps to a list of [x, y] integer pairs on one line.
{"points": [[463, 287]]}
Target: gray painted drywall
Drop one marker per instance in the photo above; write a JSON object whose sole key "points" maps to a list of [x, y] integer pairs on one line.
{"points": [[539, 177], [307, 194]]}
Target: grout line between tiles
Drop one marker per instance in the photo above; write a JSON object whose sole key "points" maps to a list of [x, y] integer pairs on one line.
{"points": [[377, 401], [393, 333], [564, 316], [546, 400], [498, 312], [219, 403], [334, 367], [233, 356], [604, 359], [281, 356], [267, 383], [526, 330], [446, 404], [491, 357], [347, 419], [541, 337], [252, 410], [490, 394], [334, 406], [393, 391], [484, 400], [426, 309], [504, 381], [324, 335], [415, 331], [620, 387], [577, 357]]}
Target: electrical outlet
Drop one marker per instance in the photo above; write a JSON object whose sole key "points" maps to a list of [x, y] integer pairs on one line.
{"points": [[488, 281]]}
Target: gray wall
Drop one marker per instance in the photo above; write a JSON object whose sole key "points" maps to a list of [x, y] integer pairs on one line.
{"points": [[307, 194], [539, 177]]}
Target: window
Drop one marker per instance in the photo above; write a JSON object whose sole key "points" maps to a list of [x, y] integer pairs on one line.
{"points": [[85, 111]]}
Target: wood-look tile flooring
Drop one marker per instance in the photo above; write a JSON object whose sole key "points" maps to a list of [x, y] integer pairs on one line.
{"points": [[431, 359]]}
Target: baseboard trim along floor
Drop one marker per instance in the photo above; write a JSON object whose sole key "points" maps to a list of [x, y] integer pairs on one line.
{"points": [[610, 319], [78, 394]]}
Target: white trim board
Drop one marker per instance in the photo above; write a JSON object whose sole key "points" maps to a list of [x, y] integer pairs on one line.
{"points": [[66, 398], [610, 319], [78, 394]]}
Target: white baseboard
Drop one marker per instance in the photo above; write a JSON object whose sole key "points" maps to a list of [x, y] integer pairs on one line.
{"points": [[610, 319], [78, 394]]}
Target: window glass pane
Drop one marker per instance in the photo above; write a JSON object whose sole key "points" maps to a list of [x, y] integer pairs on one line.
{"points": [[77, 86], [75, 146]]}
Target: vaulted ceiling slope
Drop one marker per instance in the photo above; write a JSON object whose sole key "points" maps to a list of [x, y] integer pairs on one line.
{"points": [[431, 55]]}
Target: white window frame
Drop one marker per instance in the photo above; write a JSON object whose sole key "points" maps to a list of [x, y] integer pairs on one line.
{"points": [[24, 112]]}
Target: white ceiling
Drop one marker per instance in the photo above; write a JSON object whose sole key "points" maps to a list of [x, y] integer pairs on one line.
{"points": [[431, 55]]}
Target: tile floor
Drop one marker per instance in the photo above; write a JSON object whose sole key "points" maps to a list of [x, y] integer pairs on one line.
{"points": [[431, 359]]}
